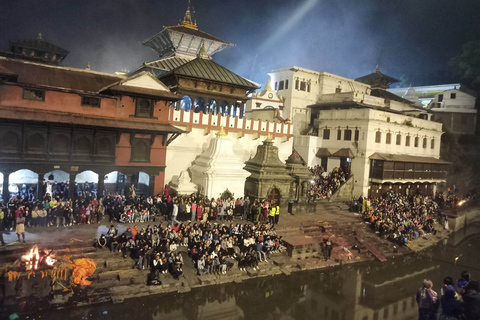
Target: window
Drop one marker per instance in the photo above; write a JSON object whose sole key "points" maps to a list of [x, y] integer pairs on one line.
{"points": [[326, 134], [407, 141], [415, 144], [399, 139], [388, 139], [303, 86], [424, 143], [90, 102], [186, 103], [32, 94], [144, 108], [308, 87], [463, 119], [297, 82], [276, 86], [378, 137], [338, 90], [453, 95], [432, 144], [357, 134], [140, 150], [440, 97], [280, 85], [339, 134], [347, 135], [286, 84]]}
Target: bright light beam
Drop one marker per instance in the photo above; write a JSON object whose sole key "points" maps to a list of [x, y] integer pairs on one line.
{"points": [[289, 24]]}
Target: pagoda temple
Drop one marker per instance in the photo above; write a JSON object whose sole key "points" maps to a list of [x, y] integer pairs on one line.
{"points": [[185, 40], [269, 177]]}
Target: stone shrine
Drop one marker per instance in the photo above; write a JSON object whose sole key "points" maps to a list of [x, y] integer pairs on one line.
{"points": [[269, 177], [219, 168], [302, 175]]}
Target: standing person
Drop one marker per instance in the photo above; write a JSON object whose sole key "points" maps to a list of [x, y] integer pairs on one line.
{"points": [[471, 300], [175, 212], [451, 307], [427, 301], [20, 228], [328, 249], [194, 210], [2, 226], [271, 215], [277, 213]]}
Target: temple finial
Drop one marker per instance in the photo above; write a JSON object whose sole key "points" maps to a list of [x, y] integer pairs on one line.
{"points": [[376, 69], [88, 66], [187, 19], [221, 132], [202, 53], [268, 86], [39, 37]]}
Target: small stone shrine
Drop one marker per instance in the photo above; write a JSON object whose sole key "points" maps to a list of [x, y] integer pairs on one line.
{"points": [[269, 178], [299, 171]]}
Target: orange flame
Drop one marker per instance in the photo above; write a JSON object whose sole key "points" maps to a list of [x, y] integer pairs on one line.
{"points": [[32, 259]]}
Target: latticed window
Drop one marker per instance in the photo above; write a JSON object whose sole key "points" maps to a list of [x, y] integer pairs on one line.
{"points": [[326, 134], [91, 102], [33, 94], [144, 108]]}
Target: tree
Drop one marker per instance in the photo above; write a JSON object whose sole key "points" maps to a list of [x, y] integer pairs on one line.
{"points": [[467, 63]]}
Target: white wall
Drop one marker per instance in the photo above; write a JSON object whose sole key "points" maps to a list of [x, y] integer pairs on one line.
{"points": [[187, 147]]}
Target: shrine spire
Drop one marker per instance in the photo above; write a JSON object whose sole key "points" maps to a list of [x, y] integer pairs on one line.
{"points": [[188, 21]]}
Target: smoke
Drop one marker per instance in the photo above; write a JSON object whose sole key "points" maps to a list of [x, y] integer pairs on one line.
{"points": [[408, 39]]}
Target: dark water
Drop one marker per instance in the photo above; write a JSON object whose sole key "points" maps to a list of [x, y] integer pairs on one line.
{"points": [[370, 291]]}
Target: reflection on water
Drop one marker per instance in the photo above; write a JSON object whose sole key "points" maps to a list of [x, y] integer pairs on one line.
{"points": [[370, 291]]}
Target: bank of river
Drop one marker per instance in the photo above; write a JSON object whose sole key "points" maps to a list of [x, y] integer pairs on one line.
{"points": [[367, 290]]}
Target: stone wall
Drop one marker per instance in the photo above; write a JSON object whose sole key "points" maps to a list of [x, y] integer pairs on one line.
{"points": [[464, 218]]}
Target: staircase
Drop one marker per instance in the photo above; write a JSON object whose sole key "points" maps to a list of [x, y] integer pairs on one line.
{"points": [[345, 192]]}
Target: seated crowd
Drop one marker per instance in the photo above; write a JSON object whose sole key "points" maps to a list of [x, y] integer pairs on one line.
{"points": [[212, 248], [325, 184], [400, 218]]}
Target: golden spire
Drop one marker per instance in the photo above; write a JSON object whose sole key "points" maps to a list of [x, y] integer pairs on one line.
{"points": [[202, 53], [222, 132], [88, 66], [269, 138], [187, 19]]}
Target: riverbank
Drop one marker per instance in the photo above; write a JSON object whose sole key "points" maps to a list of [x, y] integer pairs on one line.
{"points": [[115, 281]]}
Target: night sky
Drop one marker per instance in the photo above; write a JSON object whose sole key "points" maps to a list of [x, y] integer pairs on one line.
{"points": [[411, 40]]}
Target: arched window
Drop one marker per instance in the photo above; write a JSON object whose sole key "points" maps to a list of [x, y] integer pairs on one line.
{"points": [[212, 107], [199, 105], [416, 142], [297, 84], [286, 84], [186, 103], [224, 108], [144, 108], [233, 111], [378, 137], [407, 141], [424, 145], [388, 139], [140, 151], [432, 144], [399, 139]]}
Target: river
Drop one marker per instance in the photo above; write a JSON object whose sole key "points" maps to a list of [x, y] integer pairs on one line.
{"points": [[367, 291]]}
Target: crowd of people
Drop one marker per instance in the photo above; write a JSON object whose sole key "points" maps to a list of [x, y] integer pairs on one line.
{"points": [[325, 184], [458, 301], [212, 247], [400, 218]]}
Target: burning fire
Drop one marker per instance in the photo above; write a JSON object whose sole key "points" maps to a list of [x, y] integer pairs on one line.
{"points": [[461, 203], [35, 257]]}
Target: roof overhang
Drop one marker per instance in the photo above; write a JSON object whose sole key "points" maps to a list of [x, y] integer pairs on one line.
{"points": [[406, 158]]}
